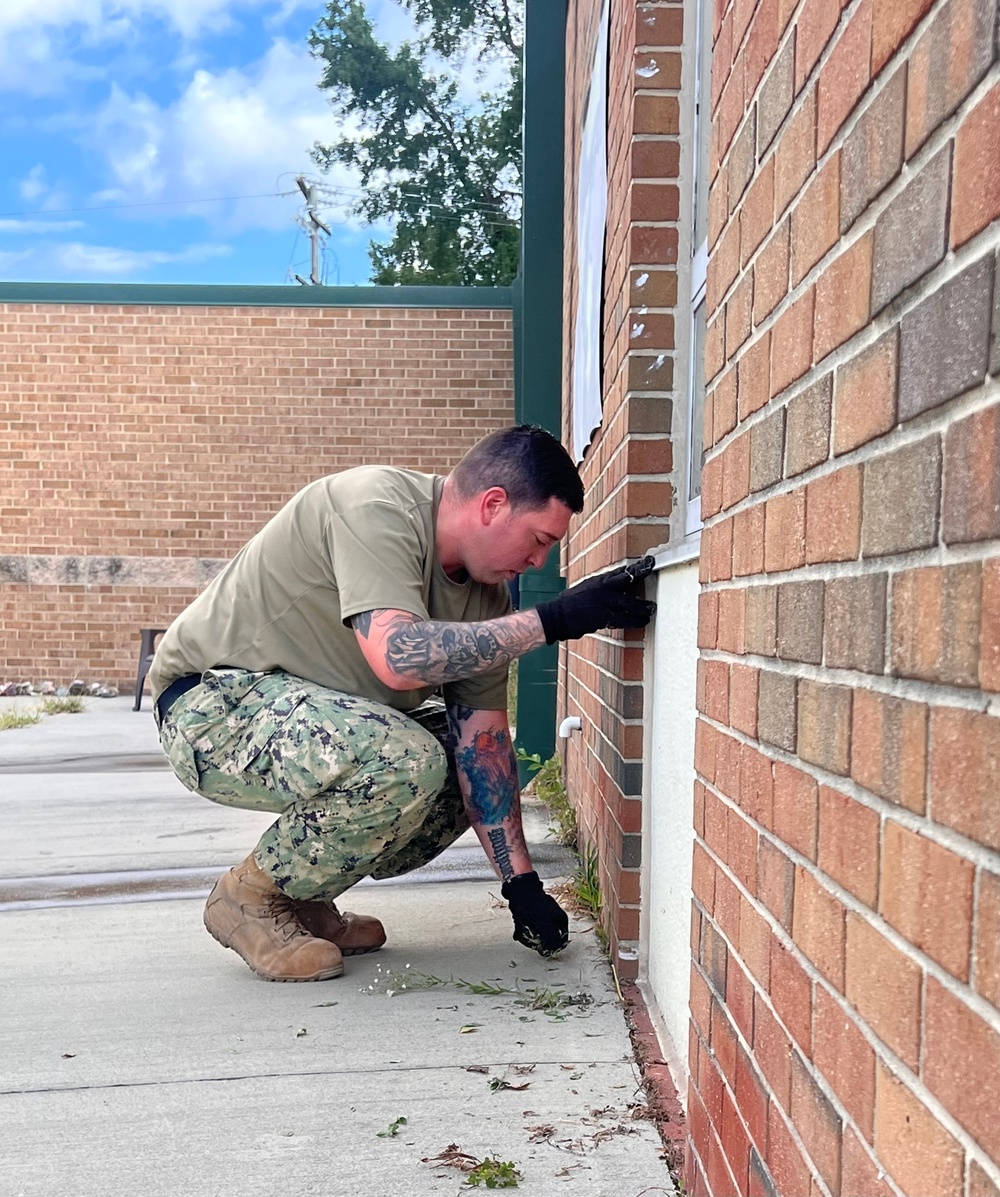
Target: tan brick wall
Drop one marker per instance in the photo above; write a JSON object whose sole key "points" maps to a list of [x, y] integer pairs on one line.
{"points": [[628, 468], [144, 445], [845, 992]]}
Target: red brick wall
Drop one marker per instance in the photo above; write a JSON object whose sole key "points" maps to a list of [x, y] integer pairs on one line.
{"points": [[846, 981], [628, 468], [144, 445]]}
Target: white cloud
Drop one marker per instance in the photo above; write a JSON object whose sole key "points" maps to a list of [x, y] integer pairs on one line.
{"points": [[104, 18], [234, 133], [9, 260], [33, 184], [102, 261], [83, 262], [36, 189], [39, 226], [44, 44]]}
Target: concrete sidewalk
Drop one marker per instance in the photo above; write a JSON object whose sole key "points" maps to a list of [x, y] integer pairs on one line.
{"points": [[139, 1057]]}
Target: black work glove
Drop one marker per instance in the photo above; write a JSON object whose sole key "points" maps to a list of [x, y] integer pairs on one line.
{"points": [[610, 600], [539, 920]]}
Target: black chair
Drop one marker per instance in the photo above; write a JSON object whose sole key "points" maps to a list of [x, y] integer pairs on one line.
{"points": [[147, 649]]}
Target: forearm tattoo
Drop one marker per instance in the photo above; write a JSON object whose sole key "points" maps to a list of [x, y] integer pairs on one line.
{"points": [[501, 853], [491, 772], [432, 651]]}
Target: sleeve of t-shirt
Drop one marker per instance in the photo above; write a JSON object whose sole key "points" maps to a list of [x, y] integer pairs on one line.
{"points": [[377, 552]]}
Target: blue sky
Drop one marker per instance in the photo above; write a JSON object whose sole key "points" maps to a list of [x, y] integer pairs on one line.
{"points": [[115, 114]]}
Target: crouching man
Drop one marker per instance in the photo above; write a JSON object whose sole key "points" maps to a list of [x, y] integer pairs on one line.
{"points": [[303, 681]]}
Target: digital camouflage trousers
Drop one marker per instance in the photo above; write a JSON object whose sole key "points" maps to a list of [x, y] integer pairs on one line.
{"points": [[360, 790]]}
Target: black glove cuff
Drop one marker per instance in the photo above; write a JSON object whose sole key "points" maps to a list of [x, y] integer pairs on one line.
{"points": [[548, 613], [523, 884]]}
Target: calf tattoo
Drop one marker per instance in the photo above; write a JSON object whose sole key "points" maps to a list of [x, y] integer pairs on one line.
{"points": [[501, 853]]}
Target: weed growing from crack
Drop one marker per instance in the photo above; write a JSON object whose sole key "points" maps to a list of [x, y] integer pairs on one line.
{"points": [[392, 1130], [494, 1174], [63, 706], [547, 785], [12, 719]]}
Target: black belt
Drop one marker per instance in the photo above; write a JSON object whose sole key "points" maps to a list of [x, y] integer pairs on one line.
{"points": [[176, 688]]}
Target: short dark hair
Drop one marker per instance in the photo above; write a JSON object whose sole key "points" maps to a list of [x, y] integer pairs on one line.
{"points": [[528, 462]]}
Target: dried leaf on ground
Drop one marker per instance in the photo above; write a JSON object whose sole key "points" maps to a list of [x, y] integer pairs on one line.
{"points": [[453, 1157], [500, 1083]]}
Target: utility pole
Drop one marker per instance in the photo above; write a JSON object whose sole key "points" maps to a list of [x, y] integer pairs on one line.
{"points": [[313, 226]]}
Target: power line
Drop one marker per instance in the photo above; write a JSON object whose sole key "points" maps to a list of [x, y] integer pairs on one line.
{"points": [[447, 210]]}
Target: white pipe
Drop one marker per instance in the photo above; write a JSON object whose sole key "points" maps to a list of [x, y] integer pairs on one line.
{"points": [[570, 724]]}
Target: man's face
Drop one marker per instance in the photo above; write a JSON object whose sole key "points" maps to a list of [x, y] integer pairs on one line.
{"points": [[517, 539]]}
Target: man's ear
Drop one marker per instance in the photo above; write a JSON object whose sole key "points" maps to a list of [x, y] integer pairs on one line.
{"points": [[492, 503]]}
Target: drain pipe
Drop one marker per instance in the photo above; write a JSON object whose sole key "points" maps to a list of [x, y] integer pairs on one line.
{"points": [[572, 723]]}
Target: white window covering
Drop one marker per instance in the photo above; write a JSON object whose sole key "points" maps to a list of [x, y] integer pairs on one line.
{"points": [[699, 271], [591, 217]]}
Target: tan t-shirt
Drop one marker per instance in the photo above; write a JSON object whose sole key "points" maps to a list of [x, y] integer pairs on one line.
{"points": [[358, 541]]}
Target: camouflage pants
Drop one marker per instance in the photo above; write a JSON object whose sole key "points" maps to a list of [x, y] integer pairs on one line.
{"points": [[360, 790]]}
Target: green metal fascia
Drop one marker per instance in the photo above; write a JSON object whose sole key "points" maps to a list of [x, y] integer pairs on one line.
{"points": [[538, 327], [539, 393], [196, 295]]}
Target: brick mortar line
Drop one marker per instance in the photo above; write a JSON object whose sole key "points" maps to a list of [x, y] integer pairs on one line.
{"points": [[625, 522], [810, 1068], [625, 760], [628, 521], [938, 423], [932, 694], [938, 555], [632, 393], [890, 316], [798, 101], [621, 485], [602, 507], [600, 836], [937, 419], [883, 1051], [904, 53], [742, 1042], [603, 670], [866, 221], [625, 722], [591, 747], [716, 1133], [964, 993], [960, 990]]}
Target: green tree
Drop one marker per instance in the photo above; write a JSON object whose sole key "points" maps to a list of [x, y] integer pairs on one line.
{"points": [[448, 175]]}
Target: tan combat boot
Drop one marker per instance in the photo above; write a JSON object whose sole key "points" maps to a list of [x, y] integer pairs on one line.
{"points": [[352, 933], [248, 913]]}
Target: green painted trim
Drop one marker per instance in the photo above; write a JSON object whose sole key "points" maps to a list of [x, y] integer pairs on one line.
{"points": [[538, 337], [194, 295]]}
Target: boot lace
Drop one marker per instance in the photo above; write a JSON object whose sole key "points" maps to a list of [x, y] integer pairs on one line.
{"points": [[280, 909]]}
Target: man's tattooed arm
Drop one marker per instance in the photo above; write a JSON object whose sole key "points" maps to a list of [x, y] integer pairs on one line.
{"points": [[406, 652], [487, 774]]}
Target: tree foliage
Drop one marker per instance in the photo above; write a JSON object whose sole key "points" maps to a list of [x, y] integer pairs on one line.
{"points": [[447, 174]]}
